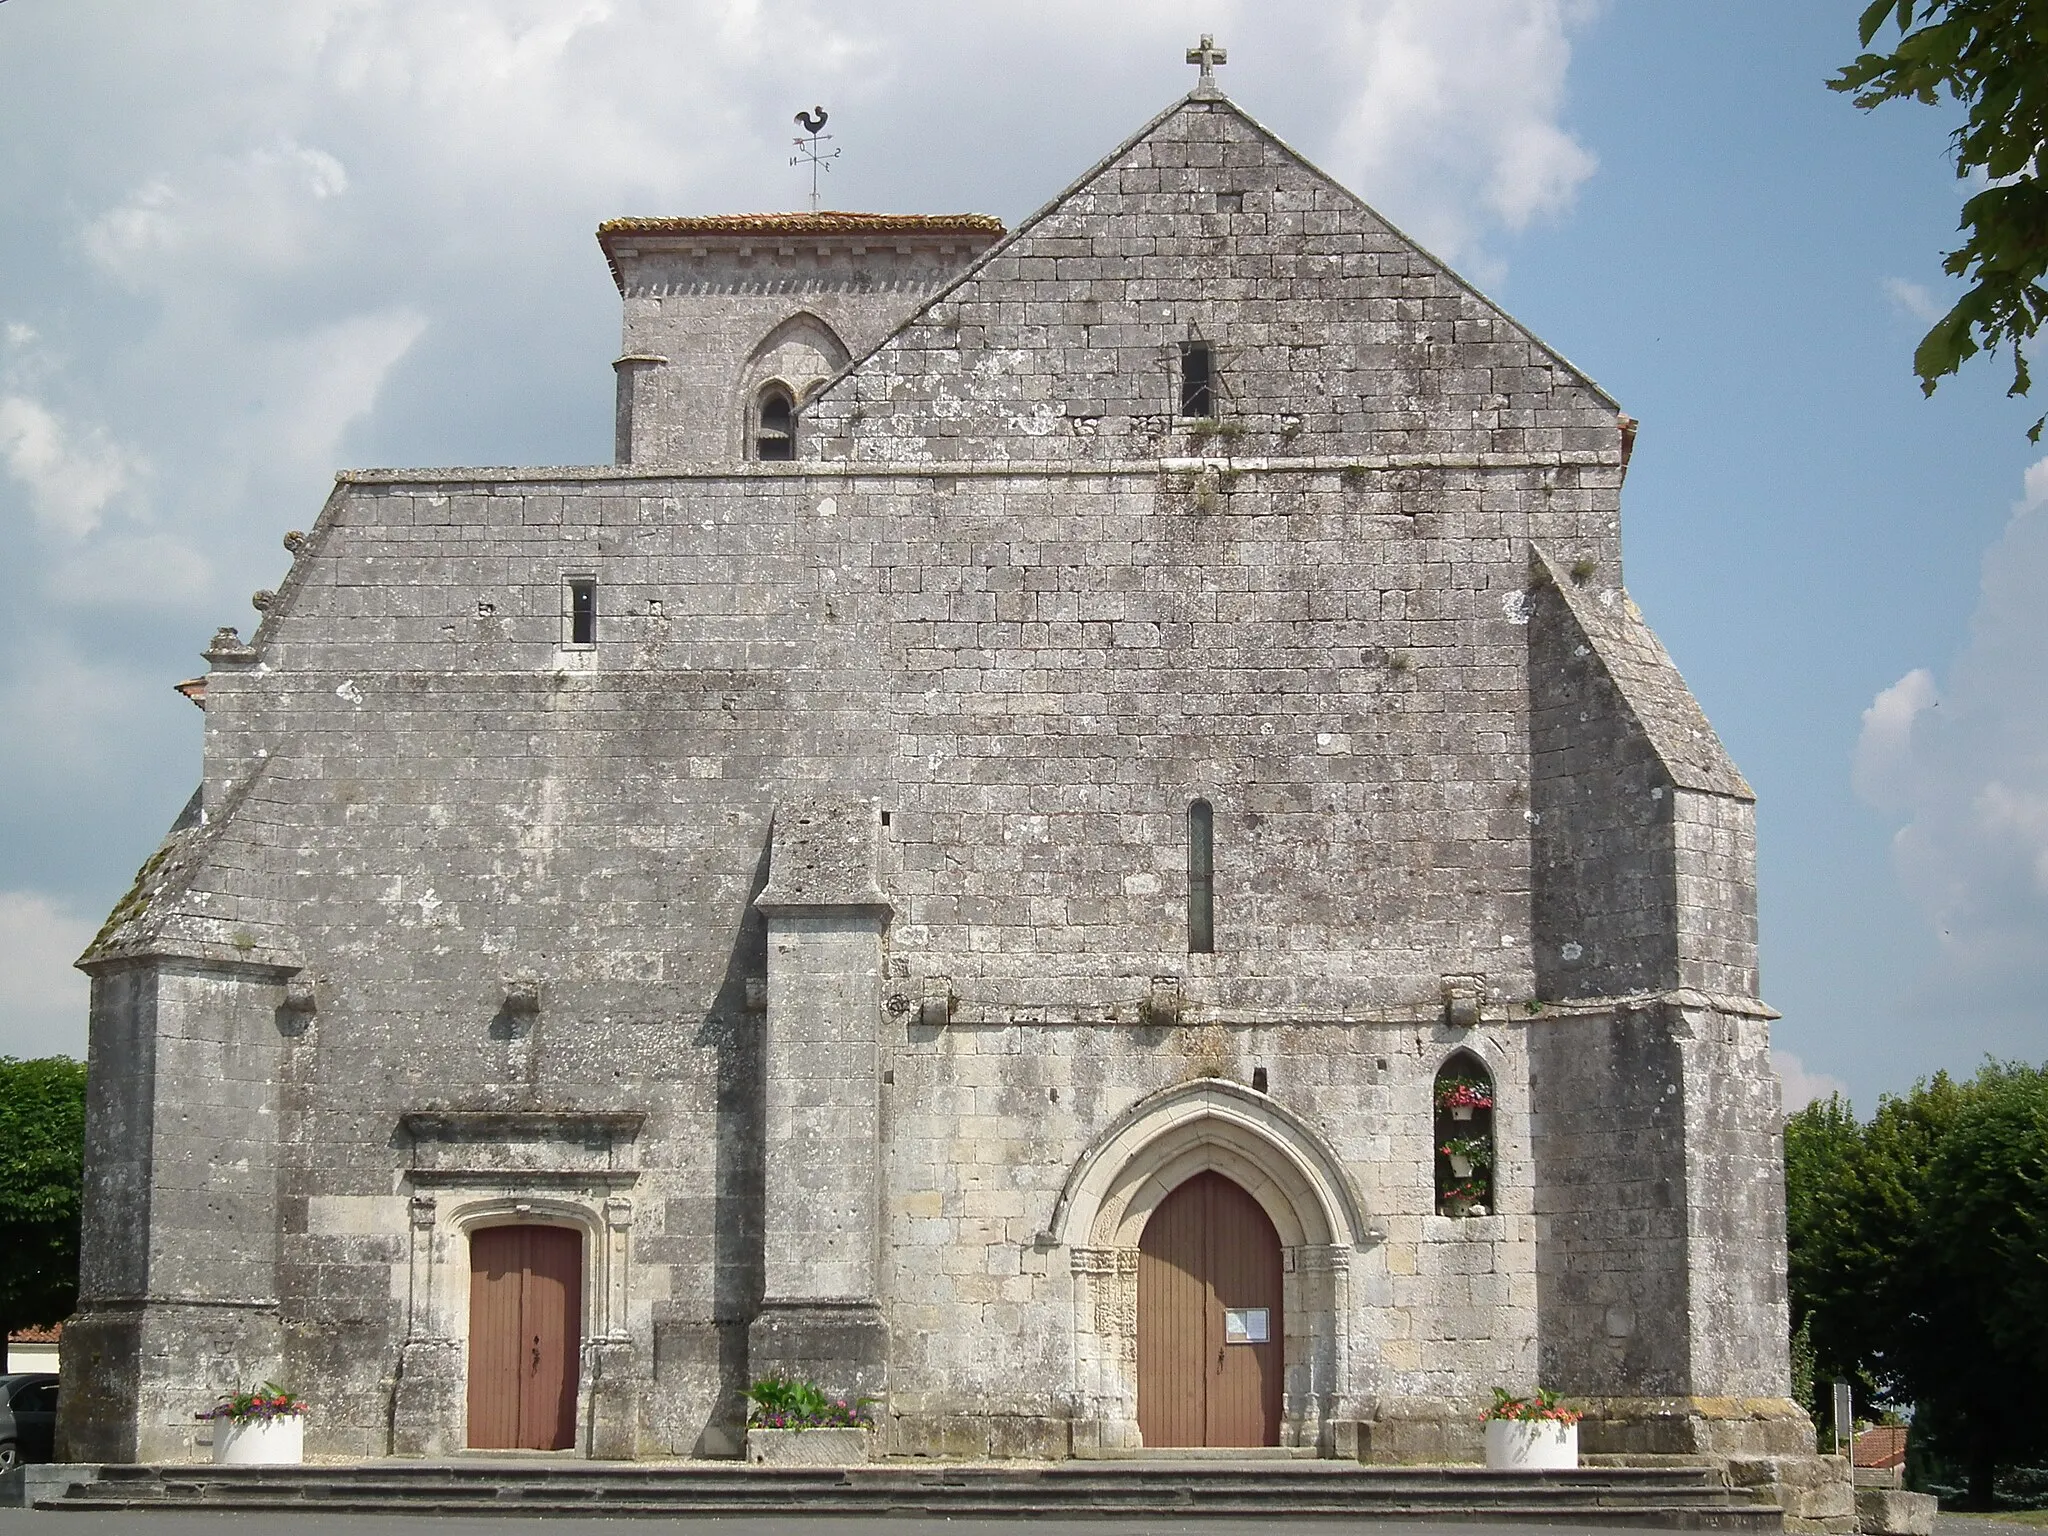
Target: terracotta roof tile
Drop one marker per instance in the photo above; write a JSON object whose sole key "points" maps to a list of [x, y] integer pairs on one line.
{"points": [[1881, 1447], [36, 1335]]}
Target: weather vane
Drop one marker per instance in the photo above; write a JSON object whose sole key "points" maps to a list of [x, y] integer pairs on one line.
{"points": [[807, 150]]}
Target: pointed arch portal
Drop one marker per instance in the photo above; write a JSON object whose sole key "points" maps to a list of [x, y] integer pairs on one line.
{"points": [[1132, 1176]]}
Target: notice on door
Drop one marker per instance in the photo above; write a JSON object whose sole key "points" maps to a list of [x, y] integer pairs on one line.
{"points": [[1245, 1325]]}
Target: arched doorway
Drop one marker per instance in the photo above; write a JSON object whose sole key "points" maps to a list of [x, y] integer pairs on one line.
{"points": [[525, 1333], [1210, 1330]]}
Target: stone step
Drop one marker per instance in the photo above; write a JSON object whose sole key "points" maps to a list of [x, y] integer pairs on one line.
{"points": [[1672, 1497]]}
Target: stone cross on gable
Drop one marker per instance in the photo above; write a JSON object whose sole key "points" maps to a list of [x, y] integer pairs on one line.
{"points": [[1208, 55]]}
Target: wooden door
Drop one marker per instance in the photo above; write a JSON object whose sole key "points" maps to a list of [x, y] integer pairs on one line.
{"points": [[525, 1332], [1210, 1335]]}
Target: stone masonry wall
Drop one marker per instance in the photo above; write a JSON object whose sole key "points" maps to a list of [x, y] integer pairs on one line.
{"points": [[1333, 334], [1011, 605]]}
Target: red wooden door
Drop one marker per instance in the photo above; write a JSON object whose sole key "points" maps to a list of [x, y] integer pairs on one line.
{"points": [[1210, 1351], [525, 1332]]}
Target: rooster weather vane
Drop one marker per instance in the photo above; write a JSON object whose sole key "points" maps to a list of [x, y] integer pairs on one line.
{"points": [[807, 150]]}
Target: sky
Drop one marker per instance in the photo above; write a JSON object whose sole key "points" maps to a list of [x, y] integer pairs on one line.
{"points": [[244, 244]]}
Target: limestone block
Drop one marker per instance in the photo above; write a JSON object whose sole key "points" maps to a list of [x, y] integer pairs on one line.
{"points": [[828, 1447], [1895, 1512]]}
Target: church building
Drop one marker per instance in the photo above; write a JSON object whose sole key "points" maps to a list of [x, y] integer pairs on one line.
{"points": [[1080, 837]]}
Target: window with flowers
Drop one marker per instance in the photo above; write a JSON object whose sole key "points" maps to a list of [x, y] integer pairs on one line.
{"points": [[1464, 1137]]}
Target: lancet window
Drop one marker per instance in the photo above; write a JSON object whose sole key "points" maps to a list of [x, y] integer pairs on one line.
{"points": [[1464, 1137]]}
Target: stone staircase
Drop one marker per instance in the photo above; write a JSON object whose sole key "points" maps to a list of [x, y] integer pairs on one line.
{"points": [[1676, 1497]]}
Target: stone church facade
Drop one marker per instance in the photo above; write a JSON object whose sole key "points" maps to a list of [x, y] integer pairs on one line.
{"points": [[983, 863]]}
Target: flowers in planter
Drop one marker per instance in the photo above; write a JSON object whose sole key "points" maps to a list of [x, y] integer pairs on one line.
{"points": [[780, 1403], [1475, 1151], [1456, 1093], [267, 1402], [1543, 1407], [1466, 1197]]}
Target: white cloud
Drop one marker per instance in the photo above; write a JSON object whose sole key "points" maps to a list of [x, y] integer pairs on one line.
{"points": [[221, 221], [1913, 300], [70, 473], [327, 379], [43, 1006], [1454, 117], [1801, 1087], [1964, 771], [1884, 750]]}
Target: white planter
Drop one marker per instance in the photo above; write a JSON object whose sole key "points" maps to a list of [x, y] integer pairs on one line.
{"points": [[836, 1447], [260, 1442], [1461, 1167], [1461, 1111], [1531, 1445]]}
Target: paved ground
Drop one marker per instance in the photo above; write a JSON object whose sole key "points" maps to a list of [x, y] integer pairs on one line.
{"points": [[15, 1522]]}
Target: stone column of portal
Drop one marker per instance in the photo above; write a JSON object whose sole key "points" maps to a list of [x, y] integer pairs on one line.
{"points": [[821, 1316]]}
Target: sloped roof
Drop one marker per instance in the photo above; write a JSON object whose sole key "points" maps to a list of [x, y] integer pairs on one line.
{"points": [[1649, 683], [183, 901]]}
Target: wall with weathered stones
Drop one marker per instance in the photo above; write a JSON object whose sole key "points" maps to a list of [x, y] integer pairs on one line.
{"points": [[542, 922], [714, 309]]}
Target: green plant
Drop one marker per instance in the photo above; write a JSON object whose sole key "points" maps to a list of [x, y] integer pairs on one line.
{"points": [[1543, 1407], [267, 1402], [780, 1402], [42, 1140], [1463, 1093], [1583, 569], [1476, 1150]]}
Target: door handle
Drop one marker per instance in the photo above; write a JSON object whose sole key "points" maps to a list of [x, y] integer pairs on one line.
{"points": [[536, 1354]]}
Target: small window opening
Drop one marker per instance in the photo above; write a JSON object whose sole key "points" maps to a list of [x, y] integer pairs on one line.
{"points": [[1197, 392], [1464, 1137], [775, 433], [1259, 1079], [582, 611], [885, 818], [1201, 879]]}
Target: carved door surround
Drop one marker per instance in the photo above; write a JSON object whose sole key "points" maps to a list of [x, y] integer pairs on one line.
{"points": [[1153, 1148], [473, 1170]]}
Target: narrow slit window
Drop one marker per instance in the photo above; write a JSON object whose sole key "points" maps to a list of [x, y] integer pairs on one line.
{"points": [[775, 432], [1201, 879], [1197, 379], [582, 610]]}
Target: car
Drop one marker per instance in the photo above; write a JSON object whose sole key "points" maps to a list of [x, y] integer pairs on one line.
{"points": [[28, 1418]]}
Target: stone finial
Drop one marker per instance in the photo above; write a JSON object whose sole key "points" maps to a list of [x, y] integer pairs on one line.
{"points": [[1462, 996], [522, 995], [227, 645], [262, 599], [295, 540], [1208, 56]]}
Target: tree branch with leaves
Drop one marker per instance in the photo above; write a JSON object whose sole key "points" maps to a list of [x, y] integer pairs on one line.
{"points": [[1991, 56]]}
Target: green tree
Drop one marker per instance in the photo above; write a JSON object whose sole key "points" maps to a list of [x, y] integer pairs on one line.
{"points": [[1974, 1327], [42, 1140], [1919, 1258], [1991, 56]]}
